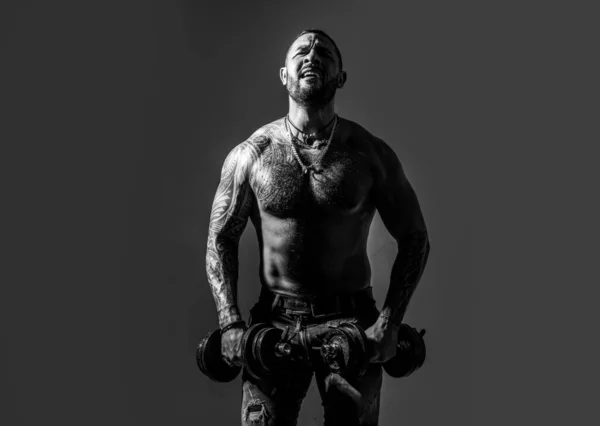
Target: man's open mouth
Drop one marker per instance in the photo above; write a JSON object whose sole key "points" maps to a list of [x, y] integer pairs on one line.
{"points": [[311, 74]]}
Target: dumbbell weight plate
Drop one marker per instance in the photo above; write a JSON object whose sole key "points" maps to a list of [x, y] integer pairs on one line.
{"points": [[360, 357], [410, 354], [211, 362], [351, 341], [258, 349]]}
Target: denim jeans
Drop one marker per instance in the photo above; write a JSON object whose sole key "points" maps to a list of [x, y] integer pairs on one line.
{"points": [[277, 401]]}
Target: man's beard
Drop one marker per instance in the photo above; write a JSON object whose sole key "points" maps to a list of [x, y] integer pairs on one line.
{"points": [[310, 95]]}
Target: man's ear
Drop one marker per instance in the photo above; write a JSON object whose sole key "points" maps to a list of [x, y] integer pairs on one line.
{"points": [[341, 79], [283, 75]]}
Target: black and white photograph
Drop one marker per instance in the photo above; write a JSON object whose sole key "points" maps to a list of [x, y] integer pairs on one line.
{"points": [[337, 213]]}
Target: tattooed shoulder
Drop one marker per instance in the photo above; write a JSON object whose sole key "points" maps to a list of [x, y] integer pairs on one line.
{"points": [[244, 155]]}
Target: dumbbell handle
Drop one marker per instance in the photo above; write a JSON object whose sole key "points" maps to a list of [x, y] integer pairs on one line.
{"points": [[334, 347], [331, 347], [283, 349]]}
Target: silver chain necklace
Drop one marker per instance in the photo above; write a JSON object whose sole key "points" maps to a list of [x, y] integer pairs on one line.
{"points": [[306, 168]]}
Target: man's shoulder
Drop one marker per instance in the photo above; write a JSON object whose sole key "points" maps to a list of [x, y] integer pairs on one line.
{"points": [[249, 150], [368, 141], [266, 134]]}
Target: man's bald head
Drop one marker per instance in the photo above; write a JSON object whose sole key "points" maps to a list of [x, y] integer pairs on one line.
{"points": [[322, 34]]}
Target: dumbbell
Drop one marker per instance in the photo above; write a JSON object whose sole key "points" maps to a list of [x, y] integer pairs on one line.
{"points": [[264, 353], [345, 350]]}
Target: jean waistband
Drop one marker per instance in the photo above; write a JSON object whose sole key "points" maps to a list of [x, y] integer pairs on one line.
{"points": [[317, 305]]}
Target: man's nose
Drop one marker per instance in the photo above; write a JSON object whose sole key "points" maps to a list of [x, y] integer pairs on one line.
{"points": [[312, 57]]}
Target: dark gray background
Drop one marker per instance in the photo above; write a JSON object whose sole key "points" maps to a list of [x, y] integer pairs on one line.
{"points": [[116, 117]]}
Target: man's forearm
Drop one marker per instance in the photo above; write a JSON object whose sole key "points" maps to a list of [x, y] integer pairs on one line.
{"points": [[413, 252], [222, 273]]}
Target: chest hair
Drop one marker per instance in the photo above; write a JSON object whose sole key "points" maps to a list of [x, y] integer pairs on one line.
{"points": [[281, 188]]}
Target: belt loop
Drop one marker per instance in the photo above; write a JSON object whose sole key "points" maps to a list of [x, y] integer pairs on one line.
{"points": [[275, 301]]}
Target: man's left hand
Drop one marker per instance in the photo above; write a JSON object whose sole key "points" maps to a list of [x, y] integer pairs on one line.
{"points": [[383, 339]]}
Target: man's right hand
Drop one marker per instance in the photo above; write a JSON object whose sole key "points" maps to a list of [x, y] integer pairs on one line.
{"points": [[231, 346]]}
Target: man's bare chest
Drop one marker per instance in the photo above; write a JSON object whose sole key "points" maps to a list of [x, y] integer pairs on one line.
{"points": [[340, 184]]}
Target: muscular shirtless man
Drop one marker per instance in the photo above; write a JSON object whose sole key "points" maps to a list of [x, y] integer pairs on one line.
{"points": [[310, 183]]}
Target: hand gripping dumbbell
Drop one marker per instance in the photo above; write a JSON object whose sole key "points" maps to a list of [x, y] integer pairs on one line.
{"points": [[345, 350], [265, 351]]}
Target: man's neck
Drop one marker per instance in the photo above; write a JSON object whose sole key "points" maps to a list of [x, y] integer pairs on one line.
{"points": [[311, 120]]}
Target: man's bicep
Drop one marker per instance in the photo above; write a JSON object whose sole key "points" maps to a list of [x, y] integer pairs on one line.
{"points": [[233, 199], [396, 200]]}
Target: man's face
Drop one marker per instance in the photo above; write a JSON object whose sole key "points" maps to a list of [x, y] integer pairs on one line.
{"points": [[311, 73]]}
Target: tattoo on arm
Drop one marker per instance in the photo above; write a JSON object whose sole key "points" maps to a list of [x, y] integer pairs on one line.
{"points": [[399, 207], [230, 211], [413, 253]]}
